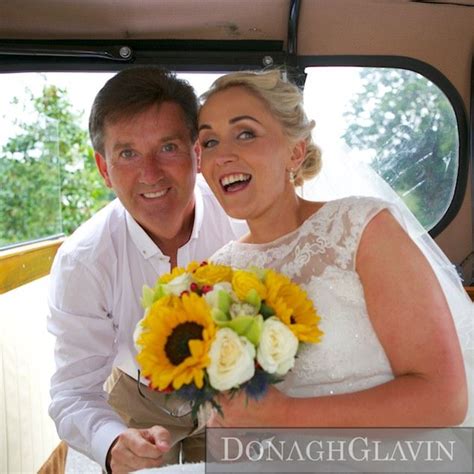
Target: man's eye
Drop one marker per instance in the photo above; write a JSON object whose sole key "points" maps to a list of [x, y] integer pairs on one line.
{"points": [[169, 147], [246, 135], [127, 154]]}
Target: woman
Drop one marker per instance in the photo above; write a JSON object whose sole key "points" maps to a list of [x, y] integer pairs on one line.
{"points": [[390, 355]]}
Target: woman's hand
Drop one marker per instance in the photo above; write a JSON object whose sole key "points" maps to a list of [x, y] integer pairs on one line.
{"points": [[241, 411]]}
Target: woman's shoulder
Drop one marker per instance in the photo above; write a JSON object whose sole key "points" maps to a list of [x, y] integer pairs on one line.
{"points": [[353, 210], [357, 203]]}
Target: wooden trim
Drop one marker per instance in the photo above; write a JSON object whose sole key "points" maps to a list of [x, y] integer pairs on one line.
{"points": [[470, 291], [26, 263], [30, 262], [56, 463]]}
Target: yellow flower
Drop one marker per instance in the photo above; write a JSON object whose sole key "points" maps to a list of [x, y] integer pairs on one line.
{"points": [[243, 281], [292, 306], [192, 266], [175, 340], [167, 277], [211, 274]]}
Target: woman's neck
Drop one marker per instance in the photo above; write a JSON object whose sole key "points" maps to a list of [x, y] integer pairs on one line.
{"points": [[280, 219]]}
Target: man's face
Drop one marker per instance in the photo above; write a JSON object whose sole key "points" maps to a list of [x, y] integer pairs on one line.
{"points": [[150, 162]]}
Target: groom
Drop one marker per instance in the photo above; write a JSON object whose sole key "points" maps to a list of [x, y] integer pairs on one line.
{"points": [[143, 127]]}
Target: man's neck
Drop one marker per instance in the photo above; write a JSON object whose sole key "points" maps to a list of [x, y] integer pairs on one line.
{"points": [[170, 247]]}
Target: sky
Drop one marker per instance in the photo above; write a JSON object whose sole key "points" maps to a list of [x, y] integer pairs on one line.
{"points": [[327, 92], [321, 103], [81, 87]]}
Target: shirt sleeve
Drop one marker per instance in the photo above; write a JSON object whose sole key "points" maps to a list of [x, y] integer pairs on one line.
{"points": [[84, 354]]}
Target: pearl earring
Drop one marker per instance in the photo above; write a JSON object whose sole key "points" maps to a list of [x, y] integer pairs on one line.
{"points": [[292, 176]]}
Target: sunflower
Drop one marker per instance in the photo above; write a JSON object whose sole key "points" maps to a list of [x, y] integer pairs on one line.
{"points": [[175, 340], [211, 274], [292, 306]]}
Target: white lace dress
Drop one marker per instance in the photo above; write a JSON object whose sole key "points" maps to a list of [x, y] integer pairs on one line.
{"points": [[320, 256]]}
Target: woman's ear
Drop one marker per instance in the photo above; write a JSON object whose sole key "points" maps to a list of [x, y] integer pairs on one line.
{"points": [[298, 154]]}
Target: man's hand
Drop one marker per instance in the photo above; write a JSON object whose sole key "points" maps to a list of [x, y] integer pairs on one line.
{"points": [[138, 449]]}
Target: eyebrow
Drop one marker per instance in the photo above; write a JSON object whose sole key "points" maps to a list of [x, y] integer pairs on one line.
{"points": [[233, 120], [121, 146], [169, 138]]}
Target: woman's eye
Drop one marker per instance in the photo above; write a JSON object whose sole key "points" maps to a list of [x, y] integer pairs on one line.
{"points": [[246, 135], [209, 143], [169, 147]]}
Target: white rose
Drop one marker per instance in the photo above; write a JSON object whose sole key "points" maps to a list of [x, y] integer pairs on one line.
{"points": [[177, 285], [277, 349], [232, 360], [212, 297]]}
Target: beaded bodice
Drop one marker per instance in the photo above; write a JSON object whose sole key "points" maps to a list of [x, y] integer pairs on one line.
{"points": [[320, 256]]}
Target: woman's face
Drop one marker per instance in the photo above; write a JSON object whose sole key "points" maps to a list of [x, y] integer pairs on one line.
{"points": [[245, 154]]}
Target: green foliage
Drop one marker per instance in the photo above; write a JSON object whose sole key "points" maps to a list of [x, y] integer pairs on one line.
{"points": [[48, 179], [411, 127]]}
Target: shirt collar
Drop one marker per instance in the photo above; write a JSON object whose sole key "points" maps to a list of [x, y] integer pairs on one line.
{"points": [[198, 212], [145, 244], [141, 239]]}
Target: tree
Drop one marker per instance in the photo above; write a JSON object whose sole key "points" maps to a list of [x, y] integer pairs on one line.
{"points": [[48, 180], [410, 126]]}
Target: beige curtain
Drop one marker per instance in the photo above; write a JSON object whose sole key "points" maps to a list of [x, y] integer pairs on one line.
{"points": [[27, 434]]}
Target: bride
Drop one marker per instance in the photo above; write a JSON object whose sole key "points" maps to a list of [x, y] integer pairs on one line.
{"points": [[389, 306]]}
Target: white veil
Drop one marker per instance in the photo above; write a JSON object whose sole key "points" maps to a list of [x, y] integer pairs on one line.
{"points": [[363, 180]]}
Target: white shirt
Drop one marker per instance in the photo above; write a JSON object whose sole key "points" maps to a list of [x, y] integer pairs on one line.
{"points": [[96, 286]]}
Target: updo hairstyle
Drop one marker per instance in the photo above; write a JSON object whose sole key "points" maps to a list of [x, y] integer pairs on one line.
{"points": [[285, 102]]}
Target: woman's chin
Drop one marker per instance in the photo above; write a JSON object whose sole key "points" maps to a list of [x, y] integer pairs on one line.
{"points": [[237, 214]]}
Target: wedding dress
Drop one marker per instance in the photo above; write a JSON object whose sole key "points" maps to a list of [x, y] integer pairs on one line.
{"points": [[320, 256]]}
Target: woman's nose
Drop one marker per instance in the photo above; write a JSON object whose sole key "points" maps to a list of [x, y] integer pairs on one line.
{"points": [[225, 155]]}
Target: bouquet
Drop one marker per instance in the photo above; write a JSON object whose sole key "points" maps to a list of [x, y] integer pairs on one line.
{"points": [[210, 328]]}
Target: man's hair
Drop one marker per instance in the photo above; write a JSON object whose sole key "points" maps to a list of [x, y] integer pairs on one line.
{"points": [[134, 90]]}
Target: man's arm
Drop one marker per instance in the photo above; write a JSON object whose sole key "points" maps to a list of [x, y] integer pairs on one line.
{"points": [[84, 355]]}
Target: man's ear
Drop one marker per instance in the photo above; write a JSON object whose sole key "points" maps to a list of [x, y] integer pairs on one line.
{"points": [[197, 154], [101, 163], [298, 154]]}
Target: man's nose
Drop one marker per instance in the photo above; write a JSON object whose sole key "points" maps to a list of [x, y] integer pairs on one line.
{"points": [[150, 170]]}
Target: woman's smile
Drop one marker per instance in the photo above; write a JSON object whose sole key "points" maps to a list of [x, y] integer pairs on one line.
{"points": [[235, 182]]}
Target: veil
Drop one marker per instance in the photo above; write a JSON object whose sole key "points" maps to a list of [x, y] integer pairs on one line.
{"points": [[362, 180]]}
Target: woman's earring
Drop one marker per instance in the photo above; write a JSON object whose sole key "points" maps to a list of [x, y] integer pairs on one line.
{"points": [[292, 176]]}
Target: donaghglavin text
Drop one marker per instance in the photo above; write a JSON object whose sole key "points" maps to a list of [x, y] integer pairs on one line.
{"points": [[356, 449]]}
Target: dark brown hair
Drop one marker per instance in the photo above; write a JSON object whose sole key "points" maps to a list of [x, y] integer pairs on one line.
{"points": [[134, 90]]}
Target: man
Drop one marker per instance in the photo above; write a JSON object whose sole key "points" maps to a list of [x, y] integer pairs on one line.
{"points": [[143, 127]]}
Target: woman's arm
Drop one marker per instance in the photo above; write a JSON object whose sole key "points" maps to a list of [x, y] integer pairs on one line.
{"points": [[411, 317]]}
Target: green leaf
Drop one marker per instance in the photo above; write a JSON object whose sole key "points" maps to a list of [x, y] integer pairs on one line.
{"points": [[219, 317], [253, 298], [224, 301], [148, 295], [247, 326], [266, 311]]}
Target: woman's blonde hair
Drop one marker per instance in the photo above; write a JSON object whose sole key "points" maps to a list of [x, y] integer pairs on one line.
{"points": [[285, 102]]}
